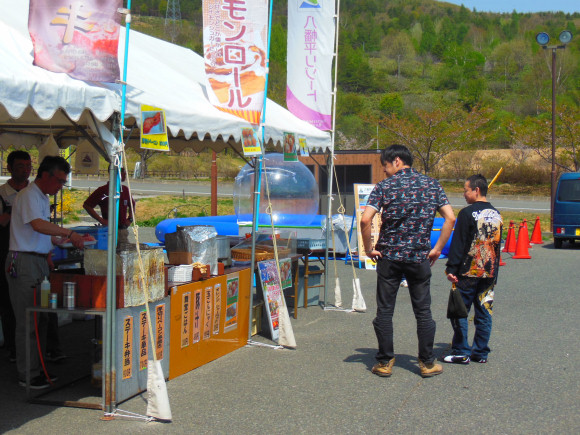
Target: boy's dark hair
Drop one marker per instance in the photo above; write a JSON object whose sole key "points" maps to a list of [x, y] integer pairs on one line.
{"points": [[392, 152], [17, 155], [52, 163], [478, 180]]}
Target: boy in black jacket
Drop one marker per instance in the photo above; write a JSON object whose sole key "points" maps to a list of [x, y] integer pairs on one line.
{"points": [[473, 264]]}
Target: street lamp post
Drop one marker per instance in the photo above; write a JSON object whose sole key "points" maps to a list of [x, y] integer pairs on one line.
{"points": [[543, 39]]}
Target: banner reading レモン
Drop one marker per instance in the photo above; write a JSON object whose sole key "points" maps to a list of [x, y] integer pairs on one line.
{"points": [[310, 50], [234, 45], [76, 37]]}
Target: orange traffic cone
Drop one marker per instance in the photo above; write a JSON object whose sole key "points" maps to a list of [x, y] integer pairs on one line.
{"points": [[510, 240], [525, 222], [537, 233], [501, 262], [522, 243]]}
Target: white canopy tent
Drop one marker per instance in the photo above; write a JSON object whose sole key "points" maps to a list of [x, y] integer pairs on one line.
{"points": [[35, 103]]}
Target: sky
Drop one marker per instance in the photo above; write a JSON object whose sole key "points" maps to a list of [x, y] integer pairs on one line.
{"points": [[570, 6]]}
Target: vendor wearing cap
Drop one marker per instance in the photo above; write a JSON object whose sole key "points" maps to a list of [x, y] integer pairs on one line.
{"points": [[31, 238]]}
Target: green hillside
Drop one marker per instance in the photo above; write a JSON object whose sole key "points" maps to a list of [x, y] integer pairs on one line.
{"points": [[435, 76]]}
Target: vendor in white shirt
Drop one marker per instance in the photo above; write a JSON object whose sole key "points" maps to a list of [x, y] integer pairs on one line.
{"points": [[32, 236]]}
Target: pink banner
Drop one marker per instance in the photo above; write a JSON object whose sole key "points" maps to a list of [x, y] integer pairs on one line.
{"points": [[79, 38], [234, 42], [311, 31]]}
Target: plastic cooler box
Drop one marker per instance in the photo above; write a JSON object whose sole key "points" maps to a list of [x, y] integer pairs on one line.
{"points": [[99, 233]]}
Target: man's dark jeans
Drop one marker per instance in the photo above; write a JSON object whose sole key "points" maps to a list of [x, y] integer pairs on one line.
{"points": [[389, 274]]}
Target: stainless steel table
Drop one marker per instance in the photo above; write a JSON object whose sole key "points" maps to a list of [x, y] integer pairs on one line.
{"points": [[72, 403]]}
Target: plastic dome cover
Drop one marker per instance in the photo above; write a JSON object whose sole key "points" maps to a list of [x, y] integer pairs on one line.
{"points": [[293, 190]]}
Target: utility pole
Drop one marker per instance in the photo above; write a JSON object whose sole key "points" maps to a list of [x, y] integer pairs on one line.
{"points": [[543, 39], [173, 19]]}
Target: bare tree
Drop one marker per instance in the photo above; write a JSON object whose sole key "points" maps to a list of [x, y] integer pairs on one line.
{"points": [[431, 135]]}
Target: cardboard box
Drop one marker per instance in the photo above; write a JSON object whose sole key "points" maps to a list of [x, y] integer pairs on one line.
{"points": [[179, 258]]}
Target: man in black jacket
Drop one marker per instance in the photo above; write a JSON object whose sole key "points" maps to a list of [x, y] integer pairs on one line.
{"points": [[473, 264]]}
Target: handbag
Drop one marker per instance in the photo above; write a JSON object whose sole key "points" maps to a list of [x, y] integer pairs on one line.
{"points": [[456, 307]]}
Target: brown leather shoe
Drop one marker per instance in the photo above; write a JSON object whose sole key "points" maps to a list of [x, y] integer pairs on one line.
{"points": [[384, 369], [428, 370]]}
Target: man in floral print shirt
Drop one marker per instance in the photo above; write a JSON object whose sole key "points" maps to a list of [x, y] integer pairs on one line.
{"points": [[408, 202]]}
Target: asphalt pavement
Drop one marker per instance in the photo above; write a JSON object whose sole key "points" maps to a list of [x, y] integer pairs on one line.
{"points": [[325, 386]]}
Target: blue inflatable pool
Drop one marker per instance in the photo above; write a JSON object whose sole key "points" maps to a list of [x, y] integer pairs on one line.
{"points": [[228, 225]]}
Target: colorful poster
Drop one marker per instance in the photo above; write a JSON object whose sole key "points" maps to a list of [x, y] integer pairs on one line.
{"points": [[233, 286], [76, 37], [217, 308], [286, 272], [272, 294], [127, 347], [208, 297], [303, 147], [251, 143], [361, 196], [143, 338], [153, 129], [185, 319], [234, 44], [311, 29], [290, 154], [197, 313], [159, 330]]}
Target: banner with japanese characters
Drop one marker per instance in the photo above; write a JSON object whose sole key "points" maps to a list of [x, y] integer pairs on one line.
{"points": [[143, 340], [311, 32], [153, 129], [79, 38], [186, 319], [159, 330], [235, 44], [127, 350]]}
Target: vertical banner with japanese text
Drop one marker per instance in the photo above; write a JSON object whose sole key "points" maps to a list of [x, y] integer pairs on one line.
{"points": [[159, 330], [217, 308], [79, 38], [311, 32], [185, 319], [234, 44], [208, 311], [127, 347], [197, 313], [143, 339]]}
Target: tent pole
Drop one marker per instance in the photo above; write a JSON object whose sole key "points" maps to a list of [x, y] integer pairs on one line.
{"points": [[258, 175], [330, 158], [255, 216], [114, 188], [109, 339]]}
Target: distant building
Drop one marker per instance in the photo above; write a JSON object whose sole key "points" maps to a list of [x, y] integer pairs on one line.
{"points": [[352, 167]]}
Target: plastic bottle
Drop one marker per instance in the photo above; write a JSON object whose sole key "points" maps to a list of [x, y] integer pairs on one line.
{"points": [[44, 292]]}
